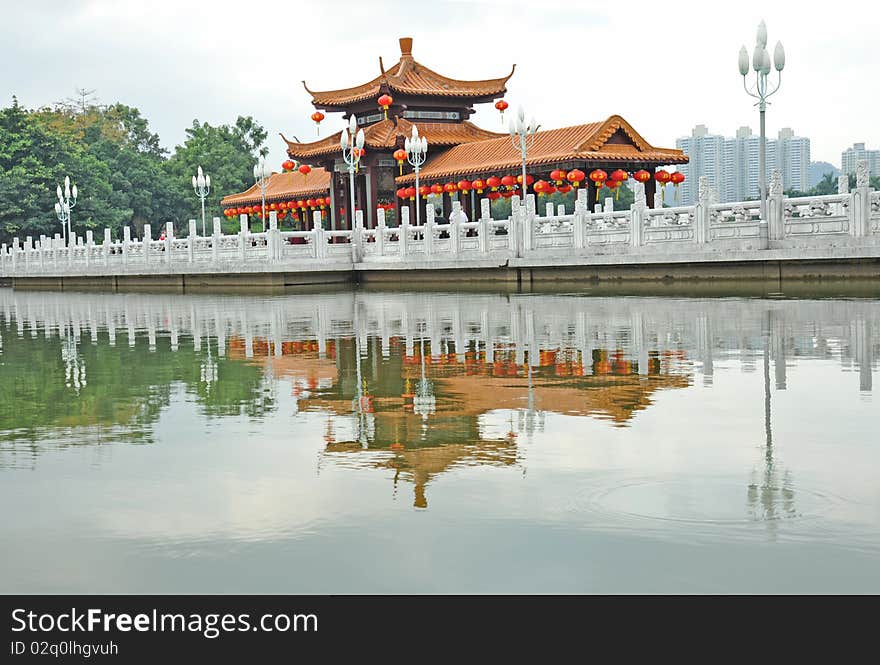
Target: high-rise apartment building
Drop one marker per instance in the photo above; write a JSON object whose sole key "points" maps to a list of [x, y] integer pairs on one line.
{"points": [[851, 156], [731, 163]]}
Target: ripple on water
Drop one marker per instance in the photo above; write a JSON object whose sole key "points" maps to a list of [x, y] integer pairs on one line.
{"points": [[703, 504]]}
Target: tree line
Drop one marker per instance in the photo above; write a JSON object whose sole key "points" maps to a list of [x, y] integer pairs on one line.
{"points": [[124, 176]]}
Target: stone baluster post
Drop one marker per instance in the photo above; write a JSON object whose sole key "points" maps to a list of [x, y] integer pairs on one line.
{"points": [[843, 188], [57, 243], [860, 203], [514, 226], [637, 215], [90, 243], [701, 212], [527, 224], [243, 233], [776, 207], [169, 238], [42, 253], [428, 236], [455, 229], [14, 254], [380, 231], [105, 246], [485, 218], [191, 241], [273, 238], [4, 257], [319, 239], [146, 244], [215, 242], [403, 234], [357, 237], [579, 222], [548, 210]]}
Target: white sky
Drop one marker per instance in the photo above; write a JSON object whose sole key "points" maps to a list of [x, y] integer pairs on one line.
{"points": [[664, 66]]}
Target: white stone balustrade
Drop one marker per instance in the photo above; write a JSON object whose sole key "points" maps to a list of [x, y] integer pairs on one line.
{"points": [[849, 219]]}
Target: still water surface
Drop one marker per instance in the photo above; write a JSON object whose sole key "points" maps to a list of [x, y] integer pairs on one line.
{"points": [[411, 442]]}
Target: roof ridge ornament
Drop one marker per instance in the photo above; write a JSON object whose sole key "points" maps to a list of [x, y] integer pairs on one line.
{"points": [[405, 46]]}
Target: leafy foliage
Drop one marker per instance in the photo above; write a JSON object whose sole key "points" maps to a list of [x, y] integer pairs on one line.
{"points": [[123, 175]]}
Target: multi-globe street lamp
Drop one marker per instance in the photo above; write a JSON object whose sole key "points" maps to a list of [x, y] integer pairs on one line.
{"points": [[522, 136], [352, 143], [416, 148], [202, 187], [262, 173], [761, 90], [66, 202]]}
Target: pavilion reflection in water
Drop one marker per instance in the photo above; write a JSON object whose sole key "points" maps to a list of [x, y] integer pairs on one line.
{"points": [[406, 380]]}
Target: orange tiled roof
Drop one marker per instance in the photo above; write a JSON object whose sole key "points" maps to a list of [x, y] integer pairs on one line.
{"points": [[410, 77], [384, 134], [582, 142], [283, 186]]}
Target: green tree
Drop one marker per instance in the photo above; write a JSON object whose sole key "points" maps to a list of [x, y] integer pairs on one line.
{"points": [[226, 152]]}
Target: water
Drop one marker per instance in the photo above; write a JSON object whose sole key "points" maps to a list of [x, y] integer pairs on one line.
{"points": [[416, 442]]}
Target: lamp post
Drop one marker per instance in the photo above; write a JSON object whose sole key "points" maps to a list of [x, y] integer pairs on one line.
{"points": [[416, 148], [66, 201], [761, 91], [262, 173], [202, 187], [351, 142], [522, 136]]}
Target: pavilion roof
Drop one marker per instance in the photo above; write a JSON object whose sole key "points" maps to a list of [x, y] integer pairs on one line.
{"points": [[612, 140], [410, 77], [385, 134], [283, 186]]}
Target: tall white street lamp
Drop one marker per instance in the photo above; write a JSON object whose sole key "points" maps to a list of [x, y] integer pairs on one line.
{"points": [[352, 143], [66, 202], [262, 173], [761, 91], [416, 148], [202, 187], [522, 135]]}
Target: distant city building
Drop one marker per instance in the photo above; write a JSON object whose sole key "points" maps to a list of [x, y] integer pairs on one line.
{"points": [[851, 156], [731, 163]]}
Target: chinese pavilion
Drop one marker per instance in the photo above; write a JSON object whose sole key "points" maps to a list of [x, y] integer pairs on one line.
{"points": [[462, 157]]}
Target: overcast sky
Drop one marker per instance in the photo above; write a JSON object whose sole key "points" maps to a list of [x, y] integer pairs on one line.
{"points": [[664, 66]]}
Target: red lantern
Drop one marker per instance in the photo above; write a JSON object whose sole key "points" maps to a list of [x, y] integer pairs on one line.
{"points": [[479, 185], [662, 176], [502, 106], [494, 182], [288, 165], [385, 101], [317, 117], [507, 194], [411, 193], [565, 189], [273, 206], [436, 188], [676, 177], [598, 176], [464, 185], [305, 169], [400, 156], [327, 200], [310, 203], [558, 175], [541, 187], [301, 204], [613, 185], [508, 181], [575, 177], [401, 193], [642, 176], [550, 188], [619, 175], [424, 190], [529, 180], [493, 196], [291, 205]]}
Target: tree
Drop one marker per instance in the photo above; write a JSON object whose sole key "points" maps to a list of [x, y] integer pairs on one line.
{"points": [[226, 152]]}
